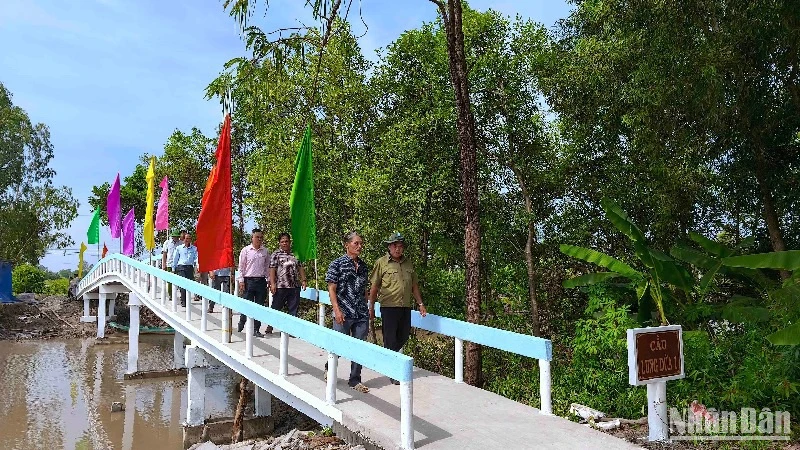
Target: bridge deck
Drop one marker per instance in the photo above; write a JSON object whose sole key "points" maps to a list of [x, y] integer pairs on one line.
{"points": [[447, 415]]}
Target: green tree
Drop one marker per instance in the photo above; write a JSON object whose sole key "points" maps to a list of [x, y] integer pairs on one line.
{"points": [[27, 278], [687, 112], [33, 211], [327, 11], [186, 161], [133, 194]]}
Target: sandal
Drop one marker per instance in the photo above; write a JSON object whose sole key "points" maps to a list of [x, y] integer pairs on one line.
{"points": [[361, 388]]}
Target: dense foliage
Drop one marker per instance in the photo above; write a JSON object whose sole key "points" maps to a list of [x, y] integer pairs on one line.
{"points": [[684, 117], [33, 211], [27, 278]]}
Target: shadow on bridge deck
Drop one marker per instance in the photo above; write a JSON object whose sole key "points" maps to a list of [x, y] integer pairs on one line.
{"points": [[447, 415]]}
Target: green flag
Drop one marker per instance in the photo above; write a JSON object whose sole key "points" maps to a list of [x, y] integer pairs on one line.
{"points": [[301, 203], [93, 234]]}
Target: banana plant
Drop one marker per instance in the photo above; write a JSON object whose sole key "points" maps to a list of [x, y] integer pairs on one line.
{"points": [[660, 268], [710, 260], [788, 293]]}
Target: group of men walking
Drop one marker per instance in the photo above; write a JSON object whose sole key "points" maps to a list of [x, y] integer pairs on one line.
{"points": [[352, 287]]}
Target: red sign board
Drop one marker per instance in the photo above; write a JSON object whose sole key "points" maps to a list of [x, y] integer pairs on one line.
{"points": [[657, 354]]}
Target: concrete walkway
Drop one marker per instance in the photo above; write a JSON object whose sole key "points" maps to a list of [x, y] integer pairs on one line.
{"points": [[447, 415]]}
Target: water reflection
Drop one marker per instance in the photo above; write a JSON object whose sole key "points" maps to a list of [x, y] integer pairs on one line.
{"points": [[58, 394]]}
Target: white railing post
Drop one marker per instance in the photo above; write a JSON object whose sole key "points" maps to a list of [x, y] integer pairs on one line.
{"points": [[320, 313], [330, 391], [204, 315], [407, 414], [248, 338], [225, 329], [189, 296], [175, 298], [284, 354], [459, 353], [544, 387]]}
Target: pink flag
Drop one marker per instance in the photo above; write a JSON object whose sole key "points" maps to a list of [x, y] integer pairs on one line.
{"points": [[128, 233], [113, 209], [162, 215]]}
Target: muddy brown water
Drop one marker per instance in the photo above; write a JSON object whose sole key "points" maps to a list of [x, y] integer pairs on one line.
{"points": [[57, 395]]}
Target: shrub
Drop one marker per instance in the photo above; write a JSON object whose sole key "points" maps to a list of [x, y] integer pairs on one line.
{"points": [[59, 286], [27, 278], [597, 372]]}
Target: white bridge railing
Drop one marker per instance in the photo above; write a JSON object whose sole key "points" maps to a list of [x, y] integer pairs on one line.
{"points": [[520, 344], [151, 282]]}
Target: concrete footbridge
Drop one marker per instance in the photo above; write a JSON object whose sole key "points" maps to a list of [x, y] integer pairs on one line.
{"points": [[426, 411]]}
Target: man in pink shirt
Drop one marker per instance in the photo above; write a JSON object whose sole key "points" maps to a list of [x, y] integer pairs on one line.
{"points": [[253, 275]]}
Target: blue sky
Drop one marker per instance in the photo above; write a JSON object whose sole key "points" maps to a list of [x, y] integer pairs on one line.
{"points": [[112, 79]]}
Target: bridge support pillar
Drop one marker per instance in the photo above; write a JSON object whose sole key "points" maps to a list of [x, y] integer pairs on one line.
{"points": [[112, 301], [178, 353], [133, 333], [101, 315], [87, 298], [196, 391], [263, 402]]}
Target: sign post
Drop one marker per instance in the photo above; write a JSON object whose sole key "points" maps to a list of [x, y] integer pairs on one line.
{"points": [[655, 356]]}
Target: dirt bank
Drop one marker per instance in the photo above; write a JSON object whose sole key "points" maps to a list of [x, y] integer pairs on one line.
{"points": [[56, 317]]}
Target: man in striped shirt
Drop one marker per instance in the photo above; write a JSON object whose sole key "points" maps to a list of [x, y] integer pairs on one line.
{"points": [[253, 275]]}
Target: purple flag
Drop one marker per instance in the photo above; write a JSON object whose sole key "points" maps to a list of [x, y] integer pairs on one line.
{"points": [[162, 215], [113, 209], [128, 233]]}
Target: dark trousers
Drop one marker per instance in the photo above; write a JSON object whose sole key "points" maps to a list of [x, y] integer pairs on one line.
{"points": [[396, 327], [255, 290], [288, 297], [219, 282], [186, 272], [358, 329]]}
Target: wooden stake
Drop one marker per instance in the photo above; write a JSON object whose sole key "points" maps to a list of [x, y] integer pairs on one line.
{"points": [[238, 418]]}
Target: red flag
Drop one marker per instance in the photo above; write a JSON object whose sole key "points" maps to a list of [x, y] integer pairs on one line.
{"points": [[105, 250], [215, 224]]}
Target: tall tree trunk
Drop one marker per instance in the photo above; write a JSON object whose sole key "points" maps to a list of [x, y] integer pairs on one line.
{"points": [[451, 17], [770, 214], [533, 277], [424, 243]]}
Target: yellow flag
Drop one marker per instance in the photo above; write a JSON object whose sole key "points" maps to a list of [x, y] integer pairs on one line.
{"points": [[149, 226], [80, 260]]}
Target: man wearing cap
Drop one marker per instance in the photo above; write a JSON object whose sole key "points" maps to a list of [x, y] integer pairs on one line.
{"points": [[167, 251], [394, 283]]}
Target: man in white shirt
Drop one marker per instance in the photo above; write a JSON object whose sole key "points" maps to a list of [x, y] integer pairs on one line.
{"points": [[168, 248], [167, 251], [184, 262]]}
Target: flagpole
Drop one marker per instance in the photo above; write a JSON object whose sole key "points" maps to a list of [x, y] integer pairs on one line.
{"points": [[225, 111], [320, 305]]}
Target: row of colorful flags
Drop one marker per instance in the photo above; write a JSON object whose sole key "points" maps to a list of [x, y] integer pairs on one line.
{"points": [[214, 236], [126, 228]]}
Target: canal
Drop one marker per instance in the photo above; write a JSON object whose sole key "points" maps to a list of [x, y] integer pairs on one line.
{"points": [[58, 394]]}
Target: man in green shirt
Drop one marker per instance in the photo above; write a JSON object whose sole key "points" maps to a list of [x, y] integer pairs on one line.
{"points": [[394, 282]]}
